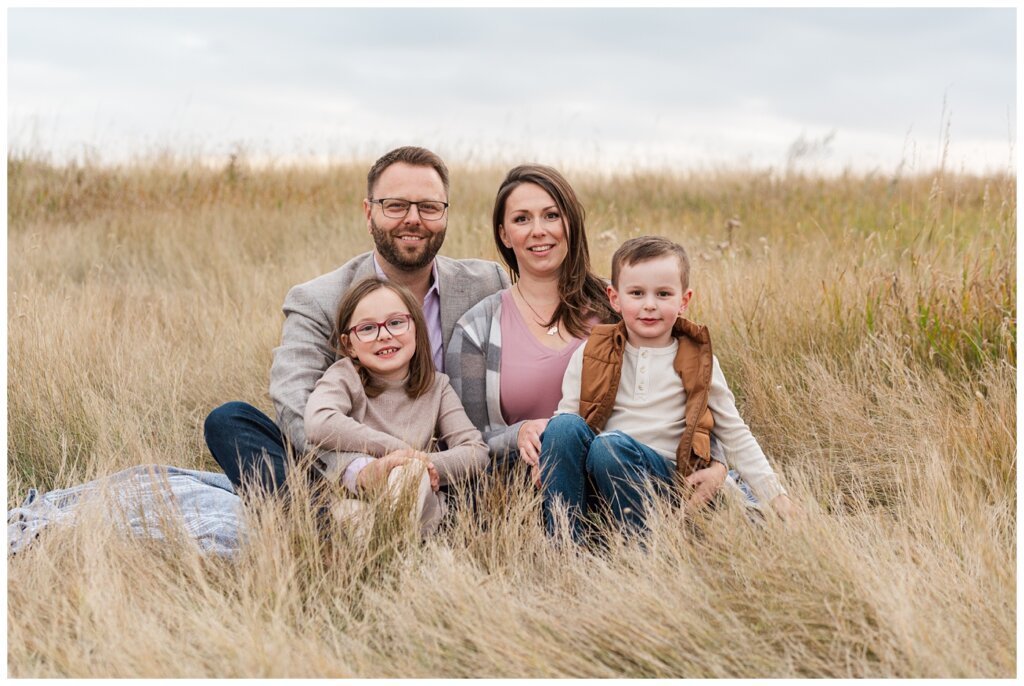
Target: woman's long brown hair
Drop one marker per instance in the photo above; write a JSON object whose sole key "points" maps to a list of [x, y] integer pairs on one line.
{"points": [[581, 293]]}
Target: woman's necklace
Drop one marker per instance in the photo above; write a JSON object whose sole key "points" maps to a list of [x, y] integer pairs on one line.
{"points": [[553, 330]]}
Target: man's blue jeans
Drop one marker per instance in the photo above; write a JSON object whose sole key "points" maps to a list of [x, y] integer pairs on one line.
{"points": [[582, 470], [247, 445]]}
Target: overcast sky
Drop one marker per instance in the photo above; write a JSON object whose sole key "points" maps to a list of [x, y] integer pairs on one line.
{"points": [[860, 88]]}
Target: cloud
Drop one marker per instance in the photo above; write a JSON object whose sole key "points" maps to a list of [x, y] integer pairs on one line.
{"points": [[664, 84]]}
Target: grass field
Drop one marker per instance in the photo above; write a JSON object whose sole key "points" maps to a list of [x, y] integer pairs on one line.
{"points": [[867, 325]]}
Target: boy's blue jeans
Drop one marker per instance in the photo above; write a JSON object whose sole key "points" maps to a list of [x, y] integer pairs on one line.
{"points": [[581, 469]]}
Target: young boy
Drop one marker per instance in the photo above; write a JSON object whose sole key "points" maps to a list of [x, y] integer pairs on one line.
{"points": [[642, 399]]}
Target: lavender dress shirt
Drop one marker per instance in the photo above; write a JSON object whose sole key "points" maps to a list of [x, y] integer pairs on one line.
{"points": [[431, 312]]}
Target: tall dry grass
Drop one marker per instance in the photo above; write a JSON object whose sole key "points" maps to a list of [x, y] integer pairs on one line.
{"points": [[866, 323]]}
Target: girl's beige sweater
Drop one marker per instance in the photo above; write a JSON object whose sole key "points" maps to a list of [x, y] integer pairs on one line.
{"points": [[340, 417]]}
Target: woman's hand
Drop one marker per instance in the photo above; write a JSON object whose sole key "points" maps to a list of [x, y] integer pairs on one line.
{"points": [[529, 445], [706, 483]]}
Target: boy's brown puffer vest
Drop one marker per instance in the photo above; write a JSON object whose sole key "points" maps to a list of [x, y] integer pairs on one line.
{"points": [[602, 369]]}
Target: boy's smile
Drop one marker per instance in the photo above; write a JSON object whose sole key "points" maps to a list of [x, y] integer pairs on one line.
{"points": [[650, 296]]}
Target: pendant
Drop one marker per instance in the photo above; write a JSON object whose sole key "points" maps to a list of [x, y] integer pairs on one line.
{"points": [[553, 331]]}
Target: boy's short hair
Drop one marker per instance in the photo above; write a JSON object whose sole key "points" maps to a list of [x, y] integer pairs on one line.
{"points": [[644, 248]]}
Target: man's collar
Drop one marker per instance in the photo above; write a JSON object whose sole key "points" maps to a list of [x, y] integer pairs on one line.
{"points": [[434, 281], [433, 273], [376, 266]]}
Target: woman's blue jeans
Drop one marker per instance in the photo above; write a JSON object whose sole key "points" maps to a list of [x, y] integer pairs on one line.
{"points": [[584, 470]]}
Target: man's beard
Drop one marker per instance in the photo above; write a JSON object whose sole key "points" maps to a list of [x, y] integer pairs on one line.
{"points": [[389, 247]]}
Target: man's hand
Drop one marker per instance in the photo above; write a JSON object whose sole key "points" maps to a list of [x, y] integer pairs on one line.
{"points": [[529, 443], [705, 483]]}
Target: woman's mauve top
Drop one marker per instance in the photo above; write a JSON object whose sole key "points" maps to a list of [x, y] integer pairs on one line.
{"points": [[531, 373]]}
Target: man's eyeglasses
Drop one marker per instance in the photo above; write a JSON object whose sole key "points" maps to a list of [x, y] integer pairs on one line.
{"points": [[396, 208], [369, 331]]}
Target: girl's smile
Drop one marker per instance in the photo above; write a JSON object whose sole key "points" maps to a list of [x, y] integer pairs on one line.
{"points": [[387, 355]]}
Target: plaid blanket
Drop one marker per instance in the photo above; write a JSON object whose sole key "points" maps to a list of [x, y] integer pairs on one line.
{"points": [[146, 501]]}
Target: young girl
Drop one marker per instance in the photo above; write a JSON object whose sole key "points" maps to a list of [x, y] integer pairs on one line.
{"points": [[382, 405]]}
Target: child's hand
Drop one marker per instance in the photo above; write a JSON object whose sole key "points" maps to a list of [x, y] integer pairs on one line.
{"points": [[435, 478], [706, 483], [784, 507], [405, 455], [376, 473]]}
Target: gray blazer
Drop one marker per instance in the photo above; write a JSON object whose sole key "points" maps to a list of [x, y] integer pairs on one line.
{"points": [[309, 311]]}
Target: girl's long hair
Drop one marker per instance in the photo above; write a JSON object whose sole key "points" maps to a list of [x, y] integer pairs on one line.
{"points": [[581, 293], [421, 366]]}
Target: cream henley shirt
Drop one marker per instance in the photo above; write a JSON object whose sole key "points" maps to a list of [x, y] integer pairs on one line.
{"points": [[650, 407]]}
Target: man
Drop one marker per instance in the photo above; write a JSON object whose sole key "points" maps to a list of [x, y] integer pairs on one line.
{"points": [[406, 212]]}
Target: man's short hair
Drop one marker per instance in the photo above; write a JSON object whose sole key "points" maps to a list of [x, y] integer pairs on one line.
{"points": [[409, 154], [644, 248]]}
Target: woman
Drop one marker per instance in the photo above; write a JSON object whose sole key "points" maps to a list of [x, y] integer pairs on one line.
{"points": [[509, 352]]}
